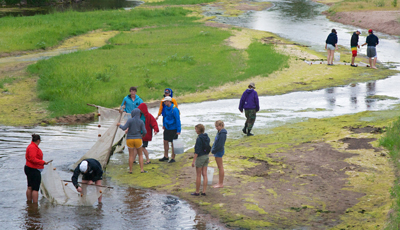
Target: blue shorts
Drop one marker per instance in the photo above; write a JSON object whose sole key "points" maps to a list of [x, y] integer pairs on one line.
{"points": [[220, 154]]}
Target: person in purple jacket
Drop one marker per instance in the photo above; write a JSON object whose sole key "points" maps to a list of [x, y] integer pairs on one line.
{"points": [[249, 102]]}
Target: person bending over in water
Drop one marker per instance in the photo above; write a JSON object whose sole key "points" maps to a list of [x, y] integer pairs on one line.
{"points": [[91, 171], [218, 149]]}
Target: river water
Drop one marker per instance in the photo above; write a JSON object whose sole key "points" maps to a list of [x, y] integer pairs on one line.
{"points": [[85, 5], [126, 207]]}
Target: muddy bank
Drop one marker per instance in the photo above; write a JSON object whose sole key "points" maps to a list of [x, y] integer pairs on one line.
{"points": [[383, 21], [316, 175]]}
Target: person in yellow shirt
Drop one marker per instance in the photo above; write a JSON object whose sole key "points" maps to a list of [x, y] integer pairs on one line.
{"points": [[167, 93]]}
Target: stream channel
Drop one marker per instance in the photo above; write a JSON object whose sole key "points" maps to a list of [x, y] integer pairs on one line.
{"points": [[127, 207]]}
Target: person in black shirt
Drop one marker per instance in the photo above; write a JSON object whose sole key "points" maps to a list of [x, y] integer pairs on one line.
{"points": [[354, 45], [91, 171], [331, 45], [372, 42]]}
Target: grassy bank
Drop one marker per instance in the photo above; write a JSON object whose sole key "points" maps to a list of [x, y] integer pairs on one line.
{"points": [[43, 31], [391, 141], [188, 58]]}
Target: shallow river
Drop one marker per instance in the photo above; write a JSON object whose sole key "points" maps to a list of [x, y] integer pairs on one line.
{"points": [[126, 207]]}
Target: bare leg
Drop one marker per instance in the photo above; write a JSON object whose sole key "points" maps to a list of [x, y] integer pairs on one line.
{"points": [[135, 152], [352, 60], [221, 173], [172, 148], [146, 154], [131, 153], [166, 148], [29, 194], [35, 196], [205, 179], [198, 179], [139, 150], [375, 59], [329, 56], [98, 182], [370, 62]]}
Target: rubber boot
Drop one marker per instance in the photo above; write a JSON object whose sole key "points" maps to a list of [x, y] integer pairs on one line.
{"points": [[245, 128], [249, 133]]}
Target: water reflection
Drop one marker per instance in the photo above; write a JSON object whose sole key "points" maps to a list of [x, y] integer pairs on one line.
{"points": [[370, 92], [32, 216], [353, 94], [87, 5], [330, 97], [296, 9]]}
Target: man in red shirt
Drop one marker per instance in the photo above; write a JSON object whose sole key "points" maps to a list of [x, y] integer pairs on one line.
{"points": [[33, 167]]}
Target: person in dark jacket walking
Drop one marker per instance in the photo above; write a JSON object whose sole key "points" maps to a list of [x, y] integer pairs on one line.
{"points": [[354, 45], [150, 124], [200, 159], [91, 171], [249, 102], [218, 149], [331, 45], [372, 42]]}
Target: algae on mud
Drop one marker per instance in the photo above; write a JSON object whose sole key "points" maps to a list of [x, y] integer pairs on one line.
{"points": [[304, 165]]}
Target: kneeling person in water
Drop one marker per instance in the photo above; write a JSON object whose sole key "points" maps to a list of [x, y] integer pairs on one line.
{"points": [[91, 171]]}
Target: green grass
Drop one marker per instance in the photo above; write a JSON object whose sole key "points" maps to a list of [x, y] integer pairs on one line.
{"points": [[42, 31], [187, 58], [391, 141], [6, 80], [180, 2]]}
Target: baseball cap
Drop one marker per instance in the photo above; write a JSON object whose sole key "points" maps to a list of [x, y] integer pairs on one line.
{"points": [[167, 98], [370, 31], [359, 30], [252, 85], [83, 166]]}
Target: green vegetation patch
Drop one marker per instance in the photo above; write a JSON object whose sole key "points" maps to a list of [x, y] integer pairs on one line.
{"points": [[187, 58], [381, 97], [179, 2], [391, 141], [43, 31]]}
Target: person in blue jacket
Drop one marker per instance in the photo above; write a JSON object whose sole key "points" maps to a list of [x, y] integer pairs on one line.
{"points": [[331, 45], [171, 126], [218, 149], [132, 101]]}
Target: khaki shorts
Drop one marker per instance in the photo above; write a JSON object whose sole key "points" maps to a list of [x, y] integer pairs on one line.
{"points": [[202, 161], [134, 143]]}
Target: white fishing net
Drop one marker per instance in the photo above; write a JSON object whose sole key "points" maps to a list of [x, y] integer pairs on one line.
{"points": [[110, 141], [64, 193]]}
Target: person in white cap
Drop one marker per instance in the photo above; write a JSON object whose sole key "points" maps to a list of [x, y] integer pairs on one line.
{"points": [[171, 126], [91, 171], [354, 45]]}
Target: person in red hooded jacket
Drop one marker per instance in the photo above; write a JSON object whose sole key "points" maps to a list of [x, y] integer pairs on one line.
{"points": [[33, 167], [150, 124]]}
